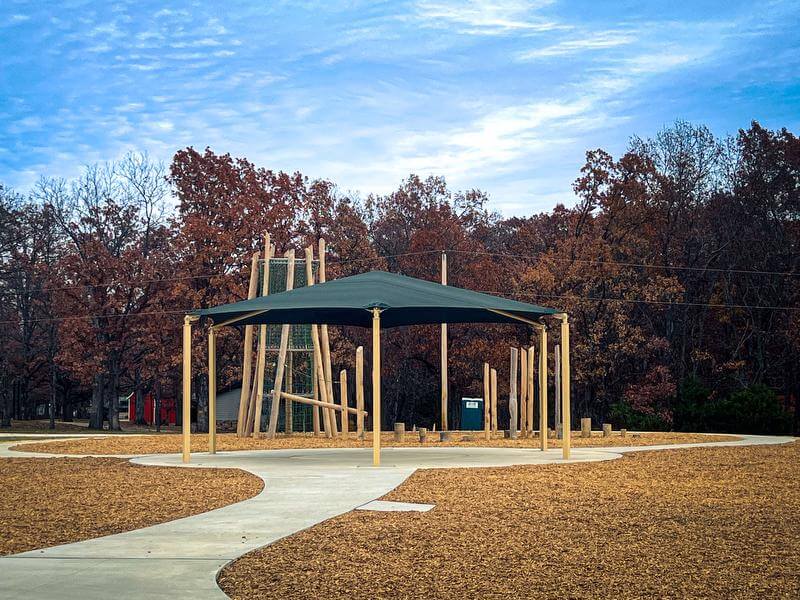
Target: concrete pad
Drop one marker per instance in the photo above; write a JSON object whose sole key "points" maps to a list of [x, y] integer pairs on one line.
{"points": [[387, 506]]}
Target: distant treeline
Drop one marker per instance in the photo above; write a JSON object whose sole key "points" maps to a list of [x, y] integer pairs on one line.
{"points": [[679, 265]]}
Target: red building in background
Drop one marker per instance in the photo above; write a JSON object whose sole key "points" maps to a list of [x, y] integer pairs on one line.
{"points": [[169, 413]]}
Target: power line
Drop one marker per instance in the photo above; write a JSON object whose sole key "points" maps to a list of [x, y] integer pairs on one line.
{"points": [[635, 264]]}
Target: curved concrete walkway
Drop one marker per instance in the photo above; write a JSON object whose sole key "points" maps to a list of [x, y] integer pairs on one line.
{"points": [[181, 559]]}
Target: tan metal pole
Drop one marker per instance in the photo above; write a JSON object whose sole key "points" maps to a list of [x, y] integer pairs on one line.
{"points": [[444, 352], [376, 387], [566, 417], [543, 388], [212, 391], [187, 387], [523, 392]]}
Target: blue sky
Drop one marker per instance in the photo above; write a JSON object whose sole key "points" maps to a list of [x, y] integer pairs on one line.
{"points": [[504, 96]]}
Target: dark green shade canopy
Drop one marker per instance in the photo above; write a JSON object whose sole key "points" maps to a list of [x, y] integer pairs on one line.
{"points": [[350, 300]]}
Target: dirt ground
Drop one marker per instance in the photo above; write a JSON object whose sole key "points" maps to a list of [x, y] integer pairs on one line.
{"points": [[695, 523], [47, 502], [171, 443]]}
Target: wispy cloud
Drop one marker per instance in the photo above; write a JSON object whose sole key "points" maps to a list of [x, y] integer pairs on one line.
{"points": [[503, 95], [486, 17]]}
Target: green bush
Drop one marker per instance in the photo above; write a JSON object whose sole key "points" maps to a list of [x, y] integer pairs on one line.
{"points": [[623, 416], [755, 409]]}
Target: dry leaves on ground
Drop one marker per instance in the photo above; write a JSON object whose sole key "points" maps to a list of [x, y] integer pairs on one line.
{"points": [[45, 502], [700, 523], [171, 443]]}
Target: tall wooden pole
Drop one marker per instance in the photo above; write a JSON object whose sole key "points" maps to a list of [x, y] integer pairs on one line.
{"points": [[325, 342], [343, 402], [284, 348], [187, 387], [493, 374], [487, 400], [288, 408], [360, 392], [212, 391], [255, 424], [317, 395], [444, 352], [543, 388], [322, 389], [557, 387], [314, 409], [529, 385], [376, 387], [523, 392], [247, 364], [512, 396], [565, 399]]}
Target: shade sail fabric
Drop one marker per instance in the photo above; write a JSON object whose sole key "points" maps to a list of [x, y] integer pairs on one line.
{"points": [[350, 300]]}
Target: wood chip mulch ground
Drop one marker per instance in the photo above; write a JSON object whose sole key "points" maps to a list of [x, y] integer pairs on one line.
{"points": [[695, 523], [171, 443], [45, 502]]}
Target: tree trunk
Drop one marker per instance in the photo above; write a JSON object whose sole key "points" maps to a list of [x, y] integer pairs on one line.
{"points": [[113, 404], [202, 403], [157, 400], [52, 395], [139, 395], [96, 409]]}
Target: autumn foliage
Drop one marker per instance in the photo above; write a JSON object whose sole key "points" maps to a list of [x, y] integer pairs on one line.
{"points": [[678, 264]]}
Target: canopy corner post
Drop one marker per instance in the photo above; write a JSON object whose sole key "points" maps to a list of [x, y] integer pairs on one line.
{"points": [[186, 424], [443, 349], [566, 417], [376, 387], [212, 390]]}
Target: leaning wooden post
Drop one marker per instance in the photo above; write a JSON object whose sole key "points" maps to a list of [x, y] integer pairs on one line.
{"points": [[523, 392], [529, 384], [247, 364], [443, 347], [315, 389], [315, 350], [284, 348], [325, 343], [512, 396], [288, 412], [543, 387], [187, 386], [565, 399], [360, 392], [557, 370], [322, 389], [255, 425], [376, 387], [212, 391], [487, 424], [493, 378], [343, 401]]}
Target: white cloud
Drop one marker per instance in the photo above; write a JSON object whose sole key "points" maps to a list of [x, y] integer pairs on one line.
{"points": [[486, 17], [587, 42]]}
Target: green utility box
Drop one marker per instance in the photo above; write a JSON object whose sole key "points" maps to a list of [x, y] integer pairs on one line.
{"points": [[472, 414]]}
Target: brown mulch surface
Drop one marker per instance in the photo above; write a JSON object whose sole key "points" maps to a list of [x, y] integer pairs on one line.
{"points": [[42, 426], [699, 523], [171, 443], [48, 502]]}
